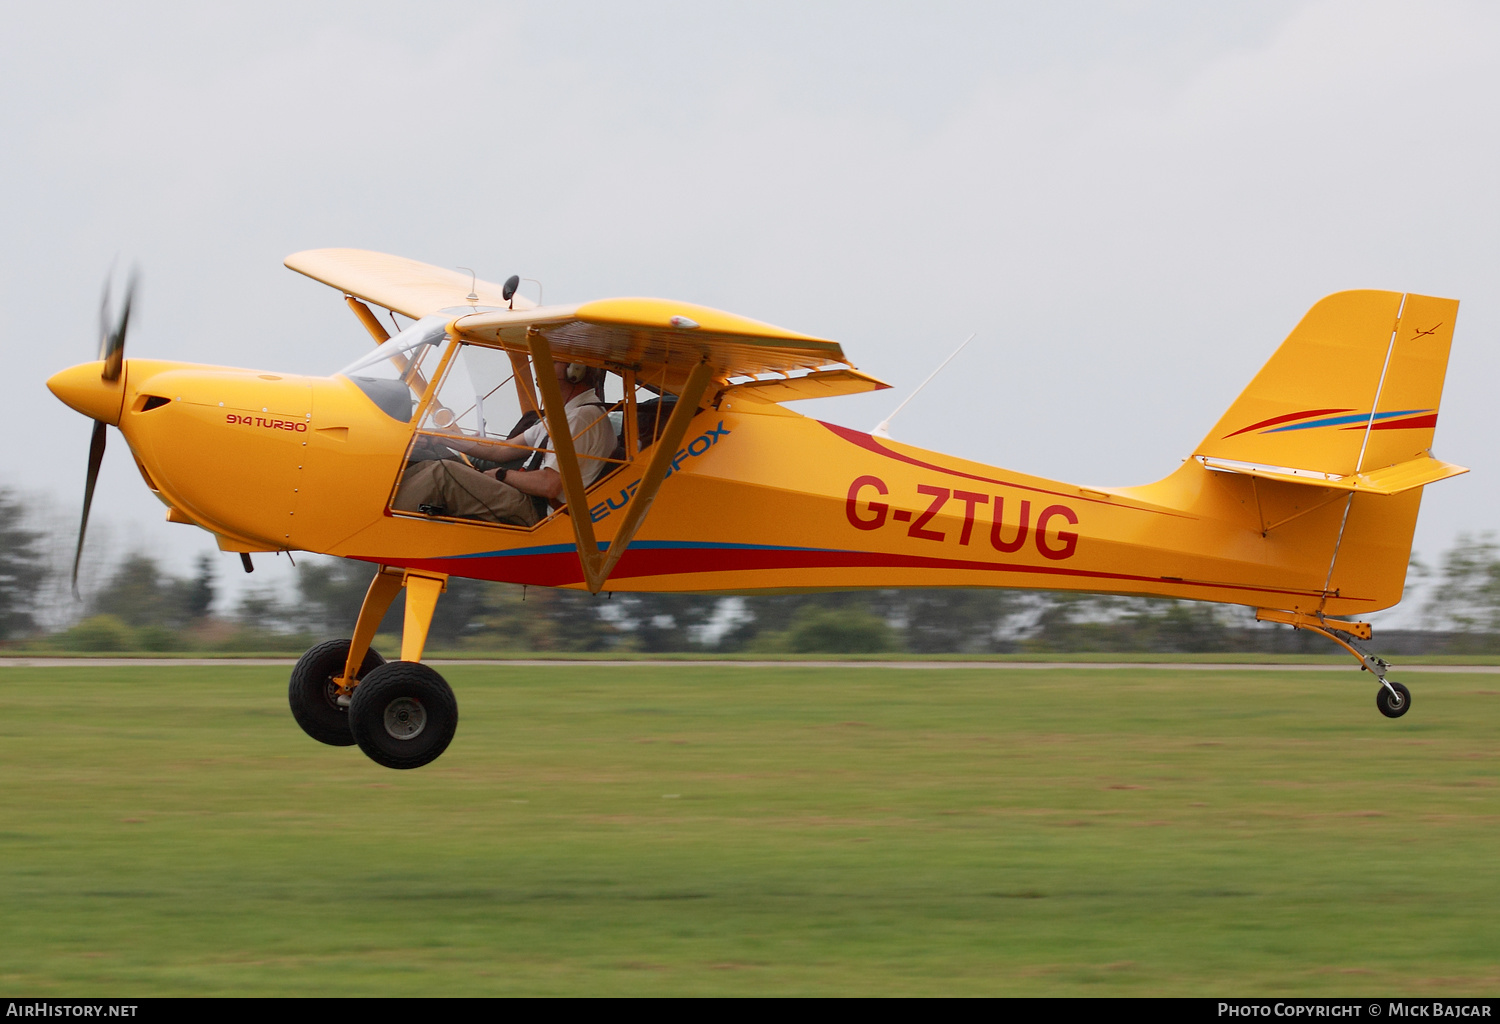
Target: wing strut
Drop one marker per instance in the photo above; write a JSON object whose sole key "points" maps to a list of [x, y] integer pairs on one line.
{"points": [[524, 390], [596, 564], [556, 416], [686, 408], [375, 327]]}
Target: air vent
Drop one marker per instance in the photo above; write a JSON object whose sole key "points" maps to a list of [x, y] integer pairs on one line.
{"points": [[146, 477], [153, 402]]}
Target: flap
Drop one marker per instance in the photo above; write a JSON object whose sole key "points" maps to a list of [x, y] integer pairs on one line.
{"points": [[818, 384], [409, 287], [1390, 480], [660, 339]]}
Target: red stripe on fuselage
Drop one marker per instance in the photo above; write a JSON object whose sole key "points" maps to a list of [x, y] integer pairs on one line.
{"points": [[561, 568]]}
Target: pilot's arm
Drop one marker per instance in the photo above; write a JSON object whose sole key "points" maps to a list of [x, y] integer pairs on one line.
{"points": [[544, 483], [593, 438]]}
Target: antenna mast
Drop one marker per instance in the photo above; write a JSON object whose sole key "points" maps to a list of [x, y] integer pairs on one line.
{"points": [[883, 428]]}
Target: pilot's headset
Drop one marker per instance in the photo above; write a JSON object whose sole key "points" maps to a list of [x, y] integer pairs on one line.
{"points": [[578, 373]]}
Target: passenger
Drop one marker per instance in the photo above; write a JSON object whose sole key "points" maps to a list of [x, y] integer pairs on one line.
{"points": [[451, 488]]}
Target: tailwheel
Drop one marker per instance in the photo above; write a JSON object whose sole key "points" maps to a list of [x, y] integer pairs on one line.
{"points": [[403, 715], [1392, 699], [314, 696]]}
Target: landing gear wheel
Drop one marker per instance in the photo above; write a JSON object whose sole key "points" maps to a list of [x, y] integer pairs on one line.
{"points": [[314, 695], [1393, 706], [403, 715]]}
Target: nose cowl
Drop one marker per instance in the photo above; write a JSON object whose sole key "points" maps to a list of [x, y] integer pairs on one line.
{"points": [[83, 388]]}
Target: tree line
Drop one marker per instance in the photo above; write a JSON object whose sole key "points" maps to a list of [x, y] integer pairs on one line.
{"points": [[136, 604]]}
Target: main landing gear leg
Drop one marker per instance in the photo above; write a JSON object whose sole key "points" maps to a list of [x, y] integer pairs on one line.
{"points": [[323, 681], [403, 714], [1392, 698], [383, 590]]}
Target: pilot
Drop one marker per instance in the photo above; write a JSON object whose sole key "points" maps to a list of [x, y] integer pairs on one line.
{"points": [[451, 488]]}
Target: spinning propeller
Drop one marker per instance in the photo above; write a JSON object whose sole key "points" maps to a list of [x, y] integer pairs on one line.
{"points": [[112, 361]]}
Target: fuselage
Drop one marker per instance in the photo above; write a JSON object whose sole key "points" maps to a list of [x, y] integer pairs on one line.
{"points": [[758, 498]]}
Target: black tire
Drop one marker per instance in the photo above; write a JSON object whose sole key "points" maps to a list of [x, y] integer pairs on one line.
{"points": [[403, 715], [314, 697], [1393, 707]]}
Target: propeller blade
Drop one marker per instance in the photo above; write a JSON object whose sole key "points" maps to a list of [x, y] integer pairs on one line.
{"points": [[96, 459], [104, 319], [114, 344]]}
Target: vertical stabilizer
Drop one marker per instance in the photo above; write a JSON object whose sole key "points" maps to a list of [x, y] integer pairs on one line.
{"points": [[1355, 387]]}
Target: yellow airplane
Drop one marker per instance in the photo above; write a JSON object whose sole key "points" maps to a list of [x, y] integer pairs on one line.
{"points": [[1300, 502]]}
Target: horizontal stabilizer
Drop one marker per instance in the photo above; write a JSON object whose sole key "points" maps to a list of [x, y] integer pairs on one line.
{"points": [[1403, 476]]}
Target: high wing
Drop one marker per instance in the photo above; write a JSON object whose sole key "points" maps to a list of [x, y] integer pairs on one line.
{"points": [[661, 340], [680, 347], [688, 350], [411, 288]]}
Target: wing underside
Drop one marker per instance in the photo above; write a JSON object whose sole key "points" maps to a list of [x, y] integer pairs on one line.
{"points": [[657, 338], [411, 288]]}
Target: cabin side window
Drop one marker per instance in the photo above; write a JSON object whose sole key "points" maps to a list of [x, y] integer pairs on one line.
{"points": [[481, 418]]}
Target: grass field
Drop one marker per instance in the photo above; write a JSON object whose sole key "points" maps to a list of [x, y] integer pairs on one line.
{"points": [[705, 829]]}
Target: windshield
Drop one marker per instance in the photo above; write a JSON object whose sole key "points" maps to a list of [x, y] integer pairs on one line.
{"points": [[400, 349]]}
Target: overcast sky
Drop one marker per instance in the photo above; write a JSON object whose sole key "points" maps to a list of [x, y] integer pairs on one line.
{"points": [[1131, 203]]}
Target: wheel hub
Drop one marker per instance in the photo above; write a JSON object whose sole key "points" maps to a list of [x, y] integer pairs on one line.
{"points": [[405, 718]]}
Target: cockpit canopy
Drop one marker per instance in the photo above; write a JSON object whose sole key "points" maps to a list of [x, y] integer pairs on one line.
{"points": [[392, 374]]}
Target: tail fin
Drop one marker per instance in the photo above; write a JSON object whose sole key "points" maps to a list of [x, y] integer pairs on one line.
{"points": [[1348, 403], [1355, 387]]}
